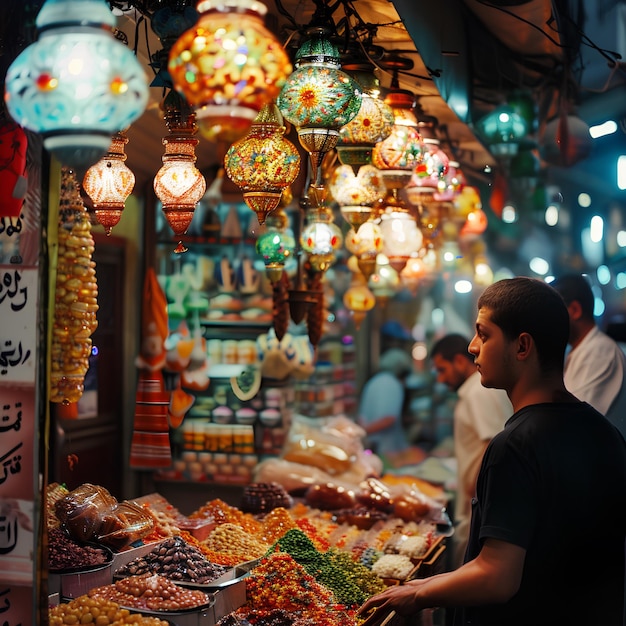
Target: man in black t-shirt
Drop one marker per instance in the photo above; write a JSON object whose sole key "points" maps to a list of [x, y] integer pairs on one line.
{"points": [[548, 527]]}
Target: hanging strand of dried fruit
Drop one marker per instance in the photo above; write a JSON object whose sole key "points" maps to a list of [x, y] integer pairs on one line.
{"points": [[280, 306], [76, 296], [315, 313]]}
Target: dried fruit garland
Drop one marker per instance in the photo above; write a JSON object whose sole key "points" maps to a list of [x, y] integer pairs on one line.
{"points": [[76, 296]]}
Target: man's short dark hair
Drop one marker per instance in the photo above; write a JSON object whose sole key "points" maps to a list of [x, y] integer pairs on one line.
{"points": [[450, 345], [575, 287], [527, 305]]}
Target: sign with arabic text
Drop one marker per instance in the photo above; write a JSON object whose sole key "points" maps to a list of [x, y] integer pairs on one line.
{"points": [[18, 331]]}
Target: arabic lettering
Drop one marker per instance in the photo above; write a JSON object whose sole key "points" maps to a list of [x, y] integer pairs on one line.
{"points": [[10, 288], [8, 532], [12, 356], [11, 463], [7, 421], [11, 226]]}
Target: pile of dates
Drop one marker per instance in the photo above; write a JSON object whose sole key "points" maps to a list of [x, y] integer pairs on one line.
{"points": [[177, 560]]}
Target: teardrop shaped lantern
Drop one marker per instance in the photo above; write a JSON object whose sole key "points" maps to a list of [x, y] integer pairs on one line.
{"points": [[109, 182], [228, 66], [319, 98], [76, 85], [179, 185], [263, 163]]}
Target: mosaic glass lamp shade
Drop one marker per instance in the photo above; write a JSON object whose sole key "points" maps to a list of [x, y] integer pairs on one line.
{"points": [[400, 153], [429, 176], [76, 85], [454, 181], [401, 237], [109, 182], [365, 244], [228, 66], [321, 237], [263, 163], [357, 194], [319, 98], [179, 185], [373, 123], [276, 245]]}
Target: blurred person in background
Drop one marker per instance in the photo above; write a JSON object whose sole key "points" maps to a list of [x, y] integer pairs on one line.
{"points": [[595, 365], [479, 414], [382, 402]]}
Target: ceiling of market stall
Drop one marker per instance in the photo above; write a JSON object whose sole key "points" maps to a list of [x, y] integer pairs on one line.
{"points": [[467, 57]]}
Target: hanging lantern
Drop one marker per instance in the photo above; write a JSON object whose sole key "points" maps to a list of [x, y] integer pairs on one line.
{"points": [[373, 122], [228, 66], [263, 163], [365, 244], [109, 183], [359, 299], [428, 176], [385, 281], [319, 98], [276, 245], [321, 237], [413, 273], [179, 185], [13, 148], [502, 130], [357, 194], [401, 237], [76, 85], [454, 181]]}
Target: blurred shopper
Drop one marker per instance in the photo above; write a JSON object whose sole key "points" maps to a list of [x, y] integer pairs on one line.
{"points": [[382, 402], [479, 415], [543, 479], [595, 366]]}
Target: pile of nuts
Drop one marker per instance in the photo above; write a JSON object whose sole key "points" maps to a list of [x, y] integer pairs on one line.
{"points": [[98, 611], [175, 559], [232, 539], [152, 592]]}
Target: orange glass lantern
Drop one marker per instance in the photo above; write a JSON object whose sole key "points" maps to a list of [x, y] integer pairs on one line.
{"points": [[179, 185], [109, 183]]}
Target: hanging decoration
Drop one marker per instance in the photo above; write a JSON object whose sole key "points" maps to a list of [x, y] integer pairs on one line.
{"points": [[357, 194], [179, 185], [503, 130], [276, 245], [76, 85], [372, 124], [319, 98], [365, 244], [109, 182], [228, 66], [359, 299], [76, 296], [263, 163]]}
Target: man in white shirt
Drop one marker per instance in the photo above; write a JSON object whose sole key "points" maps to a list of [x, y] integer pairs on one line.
{"points": [[595, 365], [479, 414]]}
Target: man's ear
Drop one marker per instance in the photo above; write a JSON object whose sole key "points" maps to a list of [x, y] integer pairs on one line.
{"points": [[575, 310], [525, 344]]}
